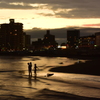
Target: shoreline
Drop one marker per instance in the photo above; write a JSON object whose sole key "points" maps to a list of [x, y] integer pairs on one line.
{"points": [[91, 67], [45, 93]]}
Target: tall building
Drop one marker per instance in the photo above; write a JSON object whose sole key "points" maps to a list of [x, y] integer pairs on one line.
{"points": [[37, 45], [73, 38], [49, 40], [27, 41], [11, 36]]}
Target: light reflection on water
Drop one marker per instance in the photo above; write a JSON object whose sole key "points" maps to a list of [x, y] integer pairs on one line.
{"points": [[14, 78], [14, 70], [10, 63]]}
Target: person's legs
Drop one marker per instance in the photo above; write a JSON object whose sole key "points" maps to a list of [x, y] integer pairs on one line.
{"points": [[35, 72]]}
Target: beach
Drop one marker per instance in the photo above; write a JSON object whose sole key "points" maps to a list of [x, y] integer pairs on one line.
{"points": [[78, 80], [46, 94], [52, 95], [90, 67]]}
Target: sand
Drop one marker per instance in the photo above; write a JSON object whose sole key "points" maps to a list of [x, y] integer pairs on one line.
{"points": [[91, 67], [47, 94]]}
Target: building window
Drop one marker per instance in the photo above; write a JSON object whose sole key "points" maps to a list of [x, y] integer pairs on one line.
{"points": [[10, 32]]}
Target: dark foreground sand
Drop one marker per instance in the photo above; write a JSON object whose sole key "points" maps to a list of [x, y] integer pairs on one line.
{"points": [[46, 94], [91, 67]]}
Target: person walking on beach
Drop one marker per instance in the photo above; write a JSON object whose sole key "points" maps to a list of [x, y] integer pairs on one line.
{"points": [[35, 69], [30, 68]]}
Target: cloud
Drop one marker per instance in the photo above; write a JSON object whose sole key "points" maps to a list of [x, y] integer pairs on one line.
{"points": [[60, 34], [15, 6], [79, 8], [39, 33], [89, 25], [36, 32], [89, 31]]}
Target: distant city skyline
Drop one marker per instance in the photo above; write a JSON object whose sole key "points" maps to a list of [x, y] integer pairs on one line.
{"points": [[52, 15], [59, 33]]}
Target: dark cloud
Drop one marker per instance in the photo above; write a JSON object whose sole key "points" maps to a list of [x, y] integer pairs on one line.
{"points": [[39, 33], [36, 33], [89, 31], [80, 8], [13, 6], [60, 34]]}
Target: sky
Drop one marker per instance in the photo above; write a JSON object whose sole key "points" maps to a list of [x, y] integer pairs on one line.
{"points": [[58, 16]]}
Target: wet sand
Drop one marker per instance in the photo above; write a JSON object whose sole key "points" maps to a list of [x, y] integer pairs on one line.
{"points": [[90, 67], [47, 94]]}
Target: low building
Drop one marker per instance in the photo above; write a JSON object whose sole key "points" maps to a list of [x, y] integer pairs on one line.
{"points": [[97, 35], [87, 42]]}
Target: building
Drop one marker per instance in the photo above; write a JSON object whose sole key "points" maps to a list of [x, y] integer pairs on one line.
{"points": [[87, 42], [49, 40], [37, 45], [11, 36], [97, 35], [26, 41], [73, 38]]}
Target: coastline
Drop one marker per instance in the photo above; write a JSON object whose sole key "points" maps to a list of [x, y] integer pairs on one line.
{"points": [[91, 67], [47, 93]]}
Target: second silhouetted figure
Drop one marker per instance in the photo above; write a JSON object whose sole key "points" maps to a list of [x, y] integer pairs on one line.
{"points": [[35, 69]]}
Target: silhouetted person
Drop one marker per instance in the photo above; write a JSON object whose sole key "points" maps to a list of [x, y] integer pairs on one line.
{"points": [[30, 68], [35, 69], [31, 65]]}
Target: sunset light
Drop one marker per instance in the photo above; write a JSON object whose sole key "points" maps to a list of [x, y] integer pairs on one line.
{"points": [[49, 49], [50, 14]]}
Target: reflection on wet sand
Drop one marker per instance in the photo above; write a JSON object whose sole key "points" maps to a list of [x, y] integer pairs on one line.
{"points": [[30, 78]]}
